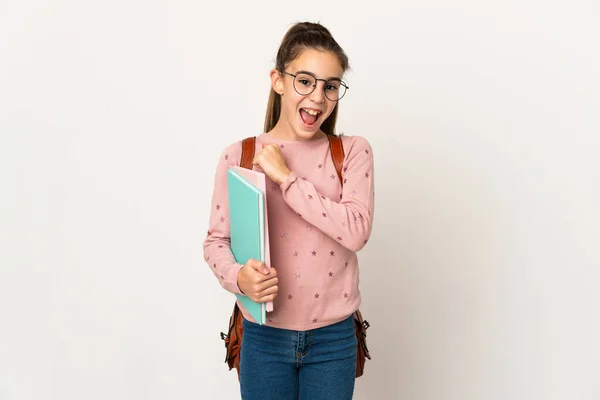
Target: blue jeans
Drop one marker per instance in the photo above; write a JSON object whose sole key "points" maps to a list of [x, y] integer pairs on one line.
{"points": [[283, 364]]}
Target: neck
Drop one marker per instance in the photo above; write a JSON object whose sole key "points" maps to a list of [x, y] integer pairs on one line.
{"points": [[287, 133]]}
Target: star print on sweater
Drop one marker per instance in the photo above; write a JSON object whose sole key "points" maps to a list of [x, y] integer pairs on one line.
{"points": [[317, 226]]}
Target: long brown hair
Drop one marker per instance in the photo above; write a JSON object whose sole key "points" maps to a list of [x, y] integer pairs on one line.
{"points": [[301, 36]]}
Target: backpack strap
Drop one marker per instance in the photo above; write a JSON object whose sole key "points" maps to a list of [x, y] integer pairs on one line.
{"points": [[337, 154], [335, 146], [248, 146]]}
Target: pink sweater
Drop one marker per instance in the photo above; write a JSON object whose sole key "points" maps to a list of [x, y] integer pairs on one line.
{"points": [[315, 230]]}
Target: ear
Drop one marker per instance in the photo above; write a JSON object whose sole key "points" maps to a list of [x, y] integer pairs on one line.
{"points": [[276, 81]]}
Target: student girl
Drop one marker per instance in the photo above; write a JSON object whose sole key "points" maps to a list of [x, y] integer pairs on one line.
{"points": [[307, 349]]}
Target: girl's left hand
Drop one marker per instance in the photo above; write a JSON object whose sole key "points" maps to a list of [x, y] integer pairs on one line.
{"points": [[272, 162]]}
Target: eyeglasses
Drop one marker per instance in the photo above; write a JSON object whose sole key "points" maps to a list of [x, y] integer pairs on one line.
{"points": [[305, 83]]}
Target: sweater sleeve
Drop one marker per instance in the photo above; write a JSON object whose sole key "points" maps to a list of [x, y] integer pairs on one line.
{"points": [[217, 245], [349, 221]]}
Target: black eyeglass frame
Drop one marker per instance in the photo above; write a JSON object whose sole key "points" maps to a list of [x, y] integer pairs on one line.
{"points": [[315, 85]]}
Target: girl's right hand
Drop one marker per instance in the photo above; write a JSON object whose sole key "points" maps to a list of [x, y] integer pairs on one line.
{"points": [[258, 282]]}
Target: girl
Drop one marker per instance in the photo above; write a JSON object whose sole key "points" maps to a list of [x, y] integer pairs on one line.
{"points": [[307, 349]]}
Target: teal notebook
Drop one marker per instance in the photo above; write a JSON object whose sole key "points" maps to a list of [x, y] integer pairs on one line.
{"points": [[247, 229]]}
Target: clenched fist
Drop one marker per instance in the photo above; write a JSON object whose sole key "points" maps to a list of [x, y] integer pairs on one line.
{"points": [[272, 162], [258, 282]]}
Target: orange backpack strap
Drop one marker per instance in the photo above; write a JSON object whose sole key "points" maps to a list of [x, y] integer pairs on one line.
{"points": [[337, 154], [248, 146]]}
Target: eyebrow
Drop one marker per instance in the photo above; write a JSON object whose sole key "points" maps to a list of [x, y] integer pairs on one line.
{"points": [[333, 78]]}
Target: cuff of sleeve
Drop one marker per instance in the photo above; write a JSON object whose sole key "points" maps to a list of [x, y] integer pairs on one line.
{"points": [[230, 281], [291, 178]]}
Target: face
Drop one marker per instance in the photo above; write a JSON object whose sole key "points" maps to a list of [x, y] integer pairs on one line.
{"points": [[302, 115]]}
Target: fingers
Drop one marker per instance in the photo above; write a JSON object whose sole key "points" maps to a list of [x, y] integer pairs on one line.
{"points": [[260, 279], [270, 291], [258, 266], [266, 149], [258, 161], [263, 286], [268, 294], [260, 287]]}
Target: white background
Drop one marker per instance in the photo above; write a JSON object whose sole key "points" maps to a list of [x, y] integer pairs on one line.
{"points": [[480, 279]]}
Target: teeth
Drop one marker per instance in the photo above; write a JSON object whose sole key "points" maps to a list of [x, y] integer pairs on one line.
{"points": [[311, 112]]}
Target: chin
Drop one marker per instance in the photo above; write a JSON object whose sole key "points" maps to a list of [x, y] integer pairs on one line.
{"points": [[308, 131]]}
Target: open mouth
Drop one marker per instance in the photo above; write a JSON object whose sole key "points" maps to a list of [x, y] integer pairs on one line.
{"points": [[309, 116]]}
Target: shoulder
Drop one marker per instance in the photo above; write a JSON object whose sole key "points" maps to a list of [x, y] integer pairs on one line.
{"points": [[232, 153], [356, 145]]}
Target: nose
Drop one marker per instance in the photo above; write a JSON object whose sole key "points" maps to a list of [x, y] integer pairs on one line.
{"points": [[318, 95]]}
